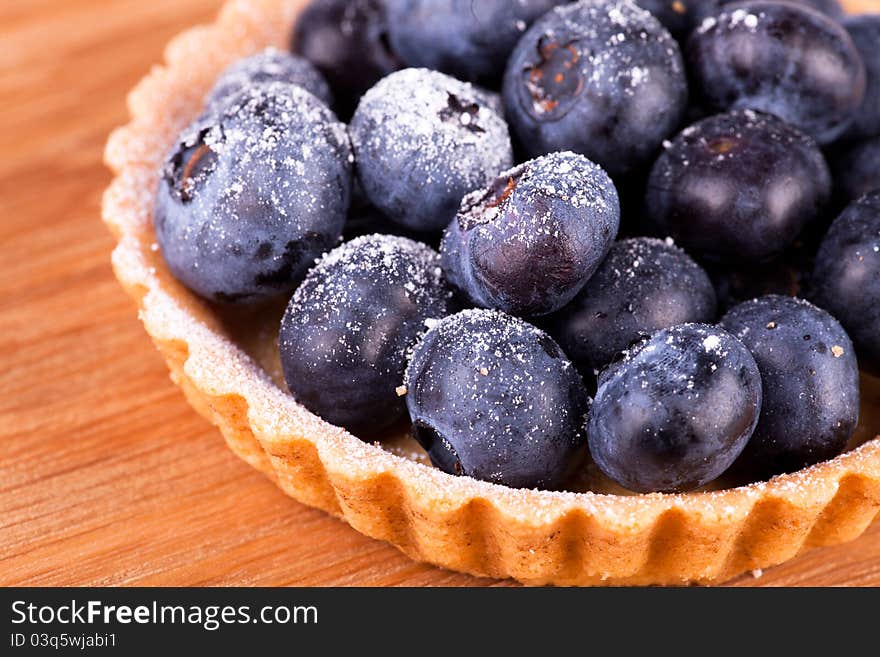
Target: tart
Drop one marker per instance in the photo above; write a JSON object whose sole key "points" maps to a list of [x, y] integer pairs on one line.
{"points": [[227, 365]]}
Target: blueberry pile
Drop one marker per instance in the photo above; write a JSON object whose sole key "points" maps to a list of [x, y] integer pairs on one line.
{"points": [[552, 233]]}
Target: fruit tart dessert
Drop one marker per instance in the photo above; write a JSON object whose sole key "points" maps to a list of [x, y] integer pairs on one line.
{"points": [[567, 292]]}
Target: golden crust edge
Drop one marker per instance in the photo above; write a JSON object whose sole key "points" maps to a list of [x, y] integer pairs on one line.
{"points": [[534, 537]]}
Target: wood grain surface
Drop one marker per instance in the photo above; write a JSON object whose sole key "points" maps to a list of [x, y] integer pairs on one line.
{"points": [[107, 477]]}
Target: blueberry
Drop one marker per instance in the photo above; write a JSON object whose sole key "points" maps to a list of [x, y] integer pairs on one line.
{"points": [[865, 33], [604, 79], [780, 58], [269, 65], [347, 40], [737, 187], [810, 382], [679, 16], [677, 411], [423, 140], [494, 398], [846, 279], [349, 326], [531, 240], [856, 167], [642, 286], [831, 8], [469, 40], [252, 194]]}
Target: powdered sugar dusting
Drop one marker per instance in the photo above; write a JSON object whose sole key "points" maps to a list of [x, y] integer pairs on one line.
{"points": [[739, 18], [711, 343], [446, 132]]}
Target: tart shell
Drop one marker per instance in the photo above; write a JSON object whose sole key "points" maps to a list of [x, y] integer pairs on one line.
{"points": [[536, 537]]}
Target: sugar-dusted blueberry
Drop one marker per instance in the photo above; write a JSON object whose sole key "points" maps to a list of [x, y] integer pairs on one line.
{"points": [[677, 411], [864, 30], [422, 140], [780, 58], [856, 166], [810, 382], [269, 65], [251, 194], [469, 40], [348, 328], [642, 286], [531, 240], [604, 79], [494, 398], [347, 40], [846, 279], [737, 187]]}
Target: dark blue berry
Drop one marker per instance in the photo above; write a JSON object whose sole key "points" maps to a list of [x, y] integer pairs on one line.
{"points": [[846, 279], [346, 333], [642, 286], [469, 40], [737, 187], [253, 193], [856, 167], [604, 79], [347, 40], [270, 65], [865, 33], [530, 241], [810, 382], [494, 398], [779, 58], [422, 141], [677, 411]]}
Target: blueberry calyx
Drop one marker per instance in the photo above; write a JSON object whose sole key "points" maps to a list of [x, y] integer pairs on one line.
{"points": [[554, 79], [461, 113]]}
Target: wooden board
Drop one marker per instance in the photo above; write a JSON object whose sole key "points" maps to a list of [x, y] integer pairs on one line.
{"points": [[106, 475]]}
